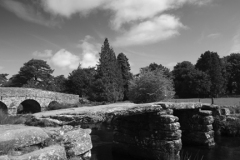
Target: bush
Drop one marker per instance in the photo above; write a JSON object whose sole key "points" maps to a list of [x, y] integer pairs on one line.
{"points": [[150, 86]]}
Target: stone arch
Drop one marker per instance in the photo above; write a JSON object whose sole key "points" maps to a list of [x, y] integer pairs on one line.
{"points": [[53, 105], [29, 106], [3, 107]]}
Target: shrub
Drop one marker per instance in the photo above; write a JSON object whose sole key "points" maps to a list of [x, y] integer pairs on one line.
{"points": [[150, 86]]}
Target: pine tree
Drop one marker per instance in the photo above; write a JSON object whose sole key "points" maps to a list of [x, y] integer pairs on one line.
{"points": [[125, 71], [109, 73]]}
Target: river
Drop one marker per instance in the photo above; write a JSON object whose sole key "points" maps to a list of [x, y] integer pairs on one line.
{"points": [[227, 148]]}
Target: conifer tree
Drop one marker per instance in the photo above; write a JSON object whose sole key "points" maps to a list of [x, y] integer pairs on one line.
{"points": [[108, 72], [125, 70]]}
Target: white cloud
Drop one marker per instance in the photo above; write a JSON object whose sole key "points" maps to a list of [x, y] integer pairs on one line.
{"points": [[151, 31], [124, 11], [214, 35], [235, 48], [90, 56], [65, 59], [171, 65], [28, 13], [67, 8], [44, 54]]}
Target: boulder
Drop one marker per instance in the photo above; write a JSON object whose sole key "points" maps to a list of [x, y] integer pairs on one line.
{"points": [[77, 142], [16, 136], [55, 152]]}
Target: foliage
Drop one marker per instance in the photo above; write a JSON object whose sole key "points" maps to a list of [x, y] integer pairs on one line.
{"points": [[34, 73], [126, 74], [210, 63], [154, 66], [3, 79], [80, 82], [109, 75], [150, 86], [59, 84], [232, 63], [190, 82]]}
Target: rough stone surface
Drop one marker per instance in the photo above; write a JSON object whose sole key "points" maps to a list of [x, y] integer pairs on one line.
{"points": [[55, 152], [77, 141], [20, 136]]}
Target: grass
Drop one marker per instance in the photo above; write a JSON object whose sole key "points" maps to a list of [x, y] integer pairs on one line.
{"points": [[6, 119], [217, 101]]}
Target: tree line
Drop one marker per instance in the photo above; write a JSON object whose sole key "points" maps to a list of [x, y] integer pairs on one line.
{"points": [[111, 80]]}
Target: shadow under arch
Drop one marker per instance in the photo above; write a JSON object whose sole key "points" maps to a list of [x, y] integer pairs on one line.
{"points": [[3, 107], [29, 106], [53, 105]]}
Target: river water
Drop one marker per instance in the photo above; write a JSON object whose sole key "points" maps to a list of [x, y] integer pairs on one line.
{"points": [[227, 148]]}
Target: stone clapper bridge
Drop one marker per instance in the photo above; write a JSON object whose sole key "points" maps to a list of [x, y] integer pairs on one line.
{"points": [[150, 131]]}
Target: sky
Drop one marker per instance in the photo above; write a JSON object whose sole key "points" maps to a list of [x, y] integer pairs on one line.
{"points": [[66, 33]]}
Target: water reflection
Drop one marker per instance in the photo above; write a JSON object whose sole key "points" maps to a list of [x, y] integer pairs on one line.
{"points": [[227, 148]]}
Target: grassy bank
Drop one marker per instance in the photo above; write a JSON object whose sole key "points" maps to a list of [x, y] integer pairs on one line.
{"points": [[217, 101]]}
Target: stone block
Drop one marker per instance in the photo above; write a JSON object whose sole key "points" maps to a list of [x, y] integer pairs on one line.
{"points": [[16, 136], [165, 127], [55, 152], [77, 142], [166, 119], [205, 112]]}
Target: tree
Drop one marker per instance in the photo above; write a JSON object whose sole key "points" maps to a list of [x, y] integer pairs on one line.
{"points": [[190, 82], [232, 63], [109, 73], [59, 84], [166, 71], [211, 64], [150, 86], [34, 73], [126, 74], [3, 79], [80, 82]]}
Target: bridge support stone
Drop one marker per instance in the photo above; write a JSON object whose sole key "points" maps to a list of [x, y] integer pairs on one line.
{"points": [[196, 126], [150, 136]]}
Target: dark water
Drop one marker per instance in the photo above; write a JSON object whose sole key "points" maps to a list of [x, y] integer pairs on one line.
{"points": [[227, 148]]}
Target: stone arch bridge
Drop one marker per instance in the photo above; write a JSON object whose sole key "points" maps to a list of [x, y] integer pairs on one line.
{"points": [[31, 100]]}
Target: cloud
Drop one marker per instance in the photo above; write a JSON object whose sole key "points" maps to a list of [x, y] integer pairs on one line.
{"points": [[160, 28], [1, 67], [171, 65], [214, 35], [44, 54], [124, 11], [67, 8], [90, 56], [28, 13], [235, 48], [65, 59]]}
